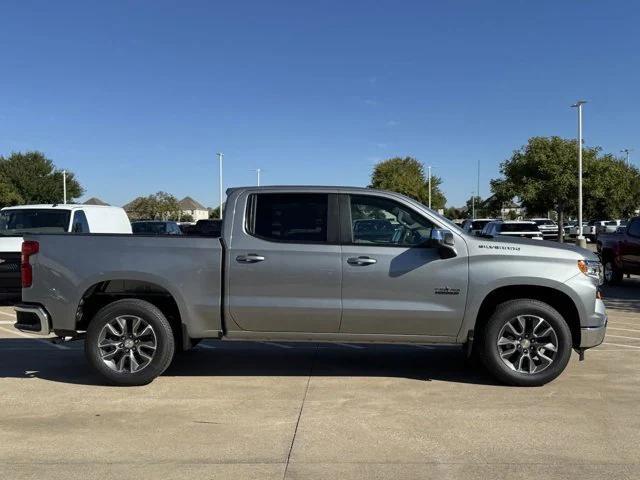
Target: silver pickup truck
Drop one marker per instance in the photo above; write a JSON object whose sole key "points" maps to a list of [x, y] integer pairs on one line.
{"points": [[319, 264]]}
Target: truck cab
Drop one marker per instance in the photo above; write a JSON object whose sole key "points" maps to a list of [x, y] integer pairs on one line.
{"points": [[620, 251]]}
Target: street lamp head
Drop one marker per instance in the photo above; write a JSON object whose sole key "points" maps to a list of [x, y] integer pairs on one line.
{"points": [[578, 103]]}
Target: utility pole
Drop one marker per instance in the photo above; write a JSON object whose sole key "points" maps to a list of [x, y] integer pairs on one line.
{"points": [[580, 240], [429, 186], [220, 157], [64, 187], [627, 151]]}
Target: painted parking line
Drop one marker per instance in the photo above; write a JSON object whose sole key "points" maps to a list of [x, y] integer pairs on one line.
{"points": [[621, 336], [622, 329], [8, 314], [621, 345], [3, 322], [41, 340]]}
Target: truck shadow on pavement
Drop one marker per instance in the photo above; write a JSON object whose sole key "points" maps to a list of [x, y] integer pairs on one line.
{"points": [[27, 358]]}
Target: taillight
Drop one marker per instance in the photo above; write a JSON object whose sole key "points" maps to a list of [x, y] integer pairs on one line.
{"points": [[29, 248]]}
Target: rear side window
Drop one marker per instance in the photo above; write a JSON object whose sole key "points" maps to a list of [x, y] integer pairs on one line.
{"points": [[80, 224], [288, 217], [634, 228]]}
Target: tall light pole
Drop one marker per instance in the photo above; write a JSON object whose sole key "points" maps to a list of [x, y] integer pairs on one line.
{"points": [[429, 186], [478, 189], [64, 187], [473, 206], [580, 240], [220, 157], [627, 151], [257, 170]]}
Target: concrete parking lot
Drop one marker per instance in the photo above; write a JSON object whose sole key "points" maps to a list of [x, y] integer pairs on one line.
{"points": [[239, 410]]}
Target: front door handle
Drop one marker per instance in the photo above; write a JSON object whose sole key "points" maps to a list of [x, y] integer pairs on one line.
{"points": [[249, 258], [361, 261]]}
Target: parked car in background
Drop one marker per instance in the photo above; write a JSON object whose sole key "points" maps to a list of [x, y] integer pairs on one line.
{"points": [[548, 228], [155, 227], [291, 267], [620, 251], [512, 228], [611, 226], [593, 228], [573, 231], [54, 218], [475, 226]]}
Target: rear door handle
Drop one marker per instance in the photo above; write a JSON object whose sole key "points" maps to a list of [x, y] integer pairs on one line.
{"points": [[249, 258], [361, 261]]}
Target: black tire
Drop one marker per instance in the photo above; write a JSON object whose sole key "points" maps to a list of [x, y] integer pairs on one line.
{"points": [[164, 338], [508, 311], [616, 274]]}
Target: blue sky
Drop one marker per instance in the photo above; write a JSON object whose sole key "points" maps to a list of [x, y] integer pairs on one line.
{"points": [[137, 96]]}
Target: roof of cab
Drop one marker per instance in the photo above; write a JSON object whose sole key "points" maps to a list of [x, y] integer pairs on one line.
{"points": [[60, 206]]}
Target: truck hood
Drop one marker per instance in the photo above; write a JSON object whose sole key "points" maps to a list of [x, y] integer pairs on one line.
{"points": [[10, 244], [541, 247]]}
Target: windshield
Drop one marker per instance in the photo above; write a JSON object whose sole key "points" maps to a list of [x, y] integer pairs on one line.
{"points": [[479, 224], [519, 227], [156, 228], [16, 222], [544, 222]]}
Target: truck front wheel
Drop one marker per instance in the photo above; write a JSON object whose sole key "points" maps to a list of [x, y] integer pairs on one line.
{"points": [[612, 274], [526, 342], [129, 342]]}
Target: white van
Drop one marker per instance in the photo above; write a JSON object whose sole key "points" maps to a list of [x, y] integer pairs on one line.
{"points": [[14, 221]]}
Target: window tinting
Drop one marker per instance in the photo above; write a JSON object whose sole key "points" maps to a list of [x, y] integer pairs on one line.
{"points": [[519, 227], [289, 217], [634, 228], [379, 221], [80, 224], [13, 222], [479, 224]]}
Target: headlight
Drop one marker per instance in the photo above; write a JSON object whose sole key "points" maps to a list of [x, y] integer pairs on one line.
{"points": [[591, 268]]}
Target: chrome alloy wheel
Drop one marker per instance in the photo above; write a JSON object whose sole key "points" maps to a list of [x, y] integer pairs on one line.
{"points": [[127, 344], [527, 344], [608, 271]]}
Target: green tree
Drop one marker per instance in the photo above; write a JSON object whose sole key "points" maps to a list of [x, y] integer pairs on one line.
{"points": [[543, 174], [33, 178], [612, 189], [406, 175], [159, 206], [8, 194]]}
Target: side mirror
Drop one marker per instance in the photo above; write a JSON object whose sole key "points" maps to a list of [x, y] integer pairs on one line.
{"points": [[444, 241]]}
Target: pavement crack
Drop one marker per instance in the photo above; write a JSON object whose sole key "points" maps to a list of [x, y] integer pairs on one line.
{"points": [[304, 397]]}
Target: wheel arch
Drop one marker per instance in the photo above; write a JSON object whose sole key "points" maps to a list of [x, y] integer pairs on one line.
{"points": [[556, 298], [105, 291]]}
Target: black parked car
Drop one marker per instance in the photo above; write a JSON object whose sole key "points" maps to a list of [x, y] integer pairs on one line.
{"points": [[155, 227]]}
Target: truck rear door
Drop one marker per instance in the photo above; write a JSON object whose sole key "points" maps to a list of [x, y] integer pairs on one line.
{"points": [[283, 263]]}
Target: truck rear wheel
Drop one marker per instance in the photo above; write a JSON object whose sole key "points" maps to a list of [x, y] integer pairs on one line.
{"points": [[129, 342], [526, 343]]}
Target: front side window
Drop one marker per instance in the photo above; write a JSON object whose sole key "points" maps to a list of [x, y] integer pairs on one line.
{"points": [[380, 221], [288, 217], [519, 227]]}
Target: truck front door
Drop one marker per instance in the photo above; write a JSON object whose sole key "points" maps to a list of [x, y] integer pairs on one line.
{"points": [[283, 263], [393, 282], [630, 247]]}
